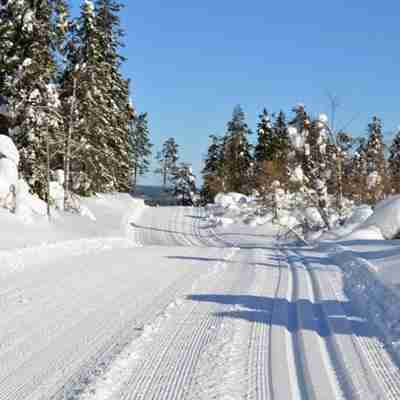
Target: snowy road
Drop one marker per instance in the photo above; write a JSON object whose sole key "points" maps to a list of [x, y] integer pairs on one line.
{"points": [[195, 313]]}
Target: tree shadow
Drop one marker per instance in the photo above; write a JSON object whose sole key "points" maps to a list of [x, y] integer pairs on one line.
{"points": [[325, 318]]}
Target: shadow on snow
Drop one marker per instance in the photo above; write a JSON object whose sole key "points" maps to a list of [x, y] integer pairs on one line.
{"points": [[316, 316]]}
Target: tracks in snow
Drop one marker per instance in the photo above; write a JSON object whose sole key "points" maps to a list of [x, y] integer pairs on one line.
{"points": [[260, 324]]}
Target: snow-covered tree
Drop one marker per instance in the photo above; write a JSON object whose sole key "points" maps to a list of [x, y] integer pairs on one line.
{"points": [[357, 171], [394, 163], [184, 184], [30, 33], [318, 162], [111, 34], [271, 151], [264, 149], [167, 160], [309, 166], [237, 154], [375, 158], [298, 131], [139, 146], [92, 81]]}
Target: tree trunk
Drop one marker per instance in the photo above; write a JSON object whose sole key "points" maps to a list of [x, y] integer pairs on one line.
{"points": [[135, 178], [48, 173], [339, 183], [67, 150]]}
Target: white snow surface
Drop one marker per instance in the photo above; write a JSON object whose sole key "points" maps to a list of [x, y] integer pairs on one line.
{"points": [[8, 149], [8, 176], [386, 218], [159, 303]]}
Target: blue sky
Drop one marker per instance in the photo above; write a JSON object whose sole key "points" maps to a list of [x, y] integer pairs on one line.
{"points": [[192, 62]]}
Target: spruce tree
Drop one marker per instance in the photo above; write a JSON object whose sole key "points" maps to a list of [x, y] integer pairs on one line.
{"points": [[298, 162], [213, 169], [271, 151], [280, 134], [375, 158], [111, 34], [30, 34], [139, 147], [237, 154], [318, 167], [264, 149], [358, 172], [101, 101], [394, 163]]}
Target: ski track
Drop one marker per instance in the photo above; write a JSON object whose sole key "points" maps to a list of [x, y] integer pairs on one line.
{"points": [[255, 324]]}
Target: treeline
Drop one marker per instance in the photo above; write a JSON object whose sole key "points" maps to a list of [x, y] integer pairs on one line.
{"points": [[67, 103], [302, 153]]}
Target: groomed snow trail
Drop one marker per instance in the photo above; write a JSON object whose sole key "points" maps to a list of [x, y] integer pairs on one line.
{"points": [[195, 313]]}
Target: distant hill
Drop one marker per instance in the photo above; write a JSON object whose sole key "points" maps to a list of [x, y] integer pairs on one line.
{"points": [[153, 195]]}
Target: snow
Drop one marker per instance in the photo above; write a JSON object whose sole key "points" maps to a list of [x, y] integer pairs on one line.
{"points": [[8, 149], [190, 313], [296, 137], [230, 199], [8, 176], [385, 219], [373, 180], [297, 175]]}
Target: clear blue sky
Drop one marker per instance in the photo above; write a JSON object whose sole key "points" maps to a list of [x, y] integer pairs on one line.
{"points": [[192, 62]]}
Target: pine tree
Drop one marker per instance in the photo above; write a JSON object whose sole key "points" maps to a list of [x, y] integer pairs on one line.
{"points": [[184, 184], [30, 34], [376, 169], [394, 163], [213, 169], [167, 159], [237, 154], [139, 147]]}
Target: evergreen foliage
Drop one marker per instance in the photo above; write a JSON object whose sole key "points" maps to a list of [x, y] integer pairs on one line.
{"points": [[102, 113], [30, 34], [167, 160], [139, 147], [184, 184], [237, 154], [375, 160], [394, 162], [213, 170]]}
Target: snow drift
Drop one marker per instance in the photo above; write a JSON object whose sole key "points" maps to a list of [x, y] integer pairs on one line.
{"points": [[385, 221]]}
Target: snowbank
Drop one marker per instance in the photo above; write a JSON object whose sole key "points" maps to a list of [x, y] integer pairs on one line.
{"points": [[230, 199], [377, 301], [385, 220], [102, 216], [8, 149], [235, 208]]}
